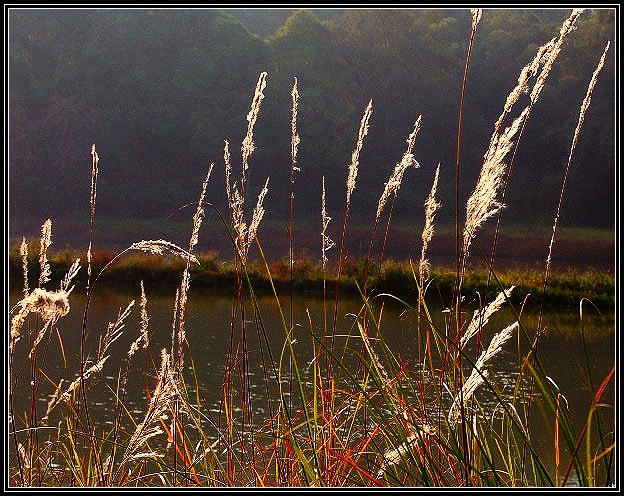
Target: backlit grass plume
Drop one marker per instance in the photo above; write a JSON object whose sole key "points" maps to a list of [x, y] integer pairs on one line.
{"points": [[479, 373], [355, 156], [484, 202]]}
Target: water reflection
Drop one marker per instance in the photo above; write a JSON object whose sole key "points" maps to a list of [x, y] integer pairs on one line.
{"points": [[208, 316]]}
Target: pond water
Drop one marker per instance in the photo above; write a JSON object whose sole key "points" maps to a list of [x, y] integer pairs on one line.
{"points": [[208, 319]]}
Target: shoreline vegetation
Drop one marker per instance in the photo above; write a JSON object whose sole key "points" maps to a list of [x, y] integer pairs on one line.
{"points": [[566, 286]]}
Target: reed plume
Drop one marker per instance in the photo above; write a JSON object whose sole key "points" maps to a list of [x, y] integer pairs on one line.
{"points": [[479, 374], [94, 174], [181, 330], [96, 368], [566, 28], [245, 234], [528, 73], [69, 277], [248, 146], [482, 317], [432, 205], [143, 339], [396, 178], [256, 218], [144, 318], [355, 156], [46, 241], [50, 305], [113, 332], [326, 242], [476, 17], [186, 275], [162, 247], [199, 212], [394, 456], [295, 139], [57, 303], [484, 202], [577, 132], [228, 173], [24, 255], [161, 401]]}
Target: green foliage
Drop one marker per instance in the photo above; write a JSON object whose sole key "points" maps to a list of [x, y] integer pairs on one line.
{"points": [[565, 287], [159, 90]]}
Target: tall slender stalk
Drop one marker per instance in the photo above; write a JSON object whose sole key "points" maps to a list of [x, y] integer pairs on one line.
{"points": [[581, 118], [83, 338], [294, 147], [476, 18], [351, 181]]}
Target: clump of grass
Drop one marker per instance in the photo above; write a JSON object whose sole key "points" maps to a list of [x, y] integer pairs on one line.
{"points": [[356, 415]]}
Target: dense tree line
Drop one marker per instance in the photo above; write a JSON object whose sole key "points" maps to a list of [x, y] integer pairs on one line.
{"points": [[159, 90]]}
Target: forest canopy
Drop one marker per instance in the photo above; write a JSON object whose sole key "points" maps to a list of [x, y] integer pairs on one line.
{"points": [[159, 90]]}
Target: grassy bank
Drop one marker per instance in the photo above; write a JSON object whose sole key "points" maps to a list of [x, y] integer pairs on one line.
{"points": [[396, 277]]}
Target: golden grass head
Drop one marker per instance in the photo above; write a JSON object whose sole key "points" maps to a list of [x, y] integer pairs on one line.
{"points": [[248, 146], [50, 305], [396, 178], [46, 241], [355, 156]]}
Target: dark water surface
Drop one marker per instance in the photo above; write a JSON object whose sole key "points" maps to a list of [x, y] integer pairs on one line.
{"points": [[208, 318]]}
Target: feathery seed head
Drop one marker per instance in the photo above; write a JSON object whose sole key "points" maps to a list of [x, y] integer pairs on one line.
{"points": [[46, 241], [431, 207], [355, 156], [295, 140], [24, 255], [247, 146], [162, 247], [479, 374]]}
